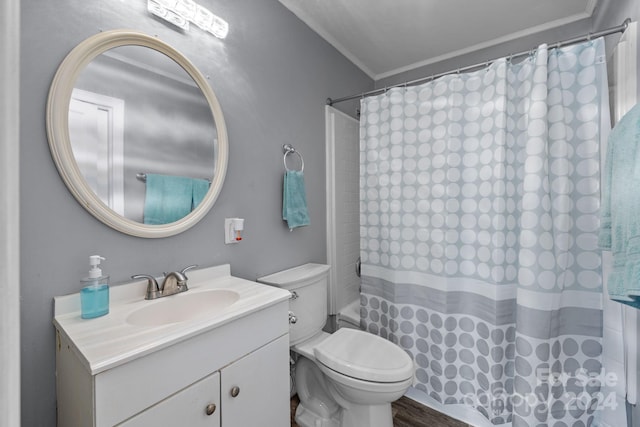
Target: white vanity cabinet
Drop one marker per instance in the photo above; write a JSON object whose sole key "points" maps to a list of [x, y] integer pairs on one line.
{"points": [[230, 371], [238, 395], [249, 385], [196, 406]]}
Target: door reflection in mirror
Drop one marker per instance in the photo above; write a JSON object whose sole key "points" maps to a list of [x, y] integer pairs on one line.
{"points": [[96, 123]]}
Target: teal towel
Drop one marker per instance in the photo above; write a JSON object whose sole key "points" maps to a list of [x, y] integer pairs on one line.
{"points": [[168, 198], [200, 189], [620, 213], [294, 200]]}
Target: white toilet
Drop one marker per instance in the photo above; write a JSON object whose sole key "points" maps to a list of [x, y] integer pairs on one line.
{"points": [[345, 379]]}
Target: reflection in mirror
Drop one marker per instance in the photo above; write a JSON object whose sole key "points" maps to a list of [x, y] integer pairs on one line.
{"points": [[135, 111]]}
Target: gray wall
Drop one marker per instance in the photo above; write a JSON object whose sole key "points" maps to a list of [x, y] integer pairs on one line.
{"points": [[271, 75]]}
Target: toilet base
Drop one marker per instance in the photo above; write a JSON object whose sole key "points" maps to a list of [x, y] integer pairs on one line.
{"points": [[307, 418], [355, 416], [322, 404], [367, 415]]}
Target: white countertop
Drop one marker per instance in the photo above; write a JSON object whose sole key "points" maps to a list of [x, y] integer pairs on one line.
{"points": [[108, 341]]}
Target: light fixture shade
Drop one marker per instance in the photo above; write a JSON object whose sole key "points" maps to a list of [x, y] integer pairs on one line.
{"points": [[186, 8], [169, 4], [219, 27], [156, 9], [177, 19], [203, 18], [159, 9]]}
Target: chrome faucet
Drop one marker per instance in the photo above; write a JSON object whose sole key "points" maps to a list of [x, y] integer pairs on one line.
{"points": [[173, 283], [153, 291]]}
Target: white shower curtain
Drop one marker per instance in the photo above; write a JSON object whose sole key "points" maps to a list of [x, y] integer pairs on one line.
{"points": [[479, 215]]}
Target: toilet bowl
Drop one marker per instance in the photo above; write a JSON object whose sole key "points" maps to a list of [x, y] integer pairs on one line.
{"points": [[345, 379]]}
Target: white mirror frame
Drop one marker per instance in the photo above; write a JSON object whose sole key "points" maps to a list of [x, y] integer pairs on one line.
{"points": [[60, 144]]}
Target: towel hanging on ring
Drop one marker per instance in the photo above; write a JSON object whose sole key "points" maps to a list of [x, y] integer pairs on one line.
{"points": [[294, 198]]}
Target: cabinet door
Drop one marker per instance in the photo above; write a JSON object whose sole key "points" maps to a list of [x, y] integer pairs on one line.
{"points": [[255, 389], [191, 407]]}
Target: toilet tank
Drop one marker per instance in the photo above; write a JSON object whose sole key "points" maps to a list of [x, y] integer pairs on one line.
{"points": [[308, 285]]}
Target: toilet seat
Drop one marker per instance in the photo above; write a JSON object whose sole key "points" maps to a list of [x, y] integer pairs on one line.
{"points": [[364, 356]]}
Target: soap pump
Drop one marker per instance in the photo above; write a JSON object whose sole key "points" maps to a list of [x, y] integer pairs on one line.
{"points": [[94, 296]]}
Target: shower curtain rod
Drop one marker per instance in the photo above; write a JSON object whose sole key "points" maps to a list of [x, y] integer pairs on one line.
{"points": [[613, 30]]}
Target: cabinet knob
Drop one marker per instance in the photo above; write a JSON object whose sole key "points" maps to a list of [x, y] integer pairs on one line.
{"points": [[211, 408], [235, 391]]}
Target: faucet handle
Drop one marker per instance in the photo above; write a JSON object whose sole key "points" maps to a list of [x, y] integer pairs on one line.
{"points": [[183, 282], [152, 285], [191, 267]]}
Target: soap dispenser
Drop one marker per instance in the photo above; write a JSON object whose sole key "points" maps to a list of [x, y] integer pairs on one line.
{"points": [[94, 296]]}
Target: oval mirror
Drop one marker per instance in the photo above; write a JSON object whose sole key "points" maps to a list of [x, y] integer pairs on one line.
{"points": [[137, 134]]}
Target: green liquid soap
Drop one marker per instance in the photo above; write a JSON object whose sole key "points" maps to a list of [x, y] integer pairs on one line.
{"points": [[94, 301]]}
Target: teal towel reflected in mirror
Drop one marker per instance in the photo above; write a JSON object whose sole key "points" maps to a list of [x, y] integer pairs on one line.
{"points": [[171, 198], [294, 200], [200, 189]]}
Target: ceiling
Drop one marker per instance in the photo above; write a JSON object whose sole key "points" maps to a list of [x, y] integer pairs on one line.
{"points": [[386, 37]]}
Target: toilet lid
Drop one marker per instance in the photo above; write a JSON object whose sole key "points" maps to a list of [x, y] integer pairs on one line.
{"points": [[364, 356]]}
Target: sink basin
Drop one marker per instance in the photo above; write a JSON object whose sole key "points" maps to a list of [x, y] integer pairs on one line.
{"points": [[182, 307]]}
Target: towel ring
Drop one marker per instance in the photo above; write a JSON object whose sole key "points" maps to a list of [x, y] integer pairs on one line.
{"points": [[288, 149]]}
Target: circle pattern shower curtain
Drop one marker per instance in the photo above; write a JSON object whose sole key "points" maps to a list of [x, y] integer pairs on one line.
{"points": [[479, 217]]}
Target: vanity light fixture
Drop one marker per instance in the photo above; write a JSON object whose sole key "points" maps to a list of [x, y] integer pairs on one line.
{"points": [[181, 12]]}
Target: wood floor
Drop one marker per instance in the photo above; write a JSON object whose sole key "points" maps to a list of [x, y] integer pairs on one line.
{"points": [[406, 413]]}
